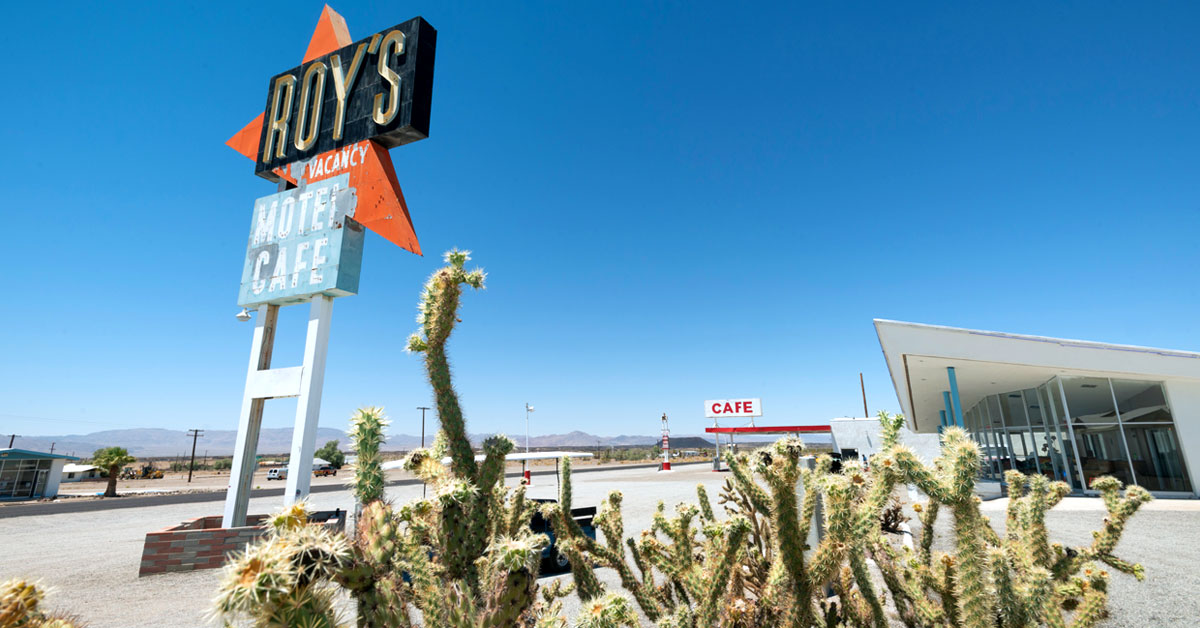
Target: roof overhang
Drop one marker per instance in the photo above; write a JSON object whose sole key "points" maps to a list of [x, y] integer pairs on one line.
{"points": [[989, 362], [25, 454]]}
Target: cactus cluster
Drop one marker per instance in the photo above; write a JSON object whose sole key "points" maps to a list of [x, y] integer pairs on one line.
{"points": [[288, 578], [466, 556], [754, 569]]}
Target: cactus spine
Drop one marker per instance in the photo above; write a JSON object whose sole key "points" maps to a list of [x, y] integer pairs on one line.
{"points": [[20, 607]]}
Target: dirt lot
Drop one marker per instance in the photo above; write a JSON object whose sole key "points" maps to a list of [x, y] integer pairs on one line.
{"points": [[91, 558]]}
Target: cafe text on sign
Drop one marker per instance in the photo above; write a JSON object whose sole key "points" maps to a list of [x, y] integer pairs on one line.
{"points": [[720, 408]]}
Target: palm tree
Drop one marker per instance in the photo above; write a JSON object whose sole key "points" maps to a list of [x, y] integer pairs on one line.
{"points": [[112, 458]]}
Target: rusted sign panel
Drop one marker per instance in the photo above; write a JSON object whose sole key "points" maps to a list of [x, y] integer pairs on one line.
{"points": [[303, 242]]}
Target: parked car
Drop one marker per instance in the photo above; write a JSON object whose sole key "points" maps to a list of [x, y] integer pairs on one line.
{"points": [[552, 561], [277, 474], [324, 471]]}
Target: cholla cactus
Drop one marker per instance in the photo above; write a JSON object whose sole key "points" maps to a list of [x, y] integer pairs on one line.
{"points": [[20, 607], [286, 579], [367, 432], [466, 558], [754, 569]]}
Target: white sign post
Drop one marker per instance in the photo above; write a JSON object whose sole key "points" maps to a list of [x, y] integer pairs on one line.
{"points": [[263, 383]]}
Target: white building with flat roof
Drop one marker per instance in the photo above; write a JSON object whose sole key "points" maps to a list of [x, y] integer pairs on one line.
{"points": [[80, 472], [1069, 409]]}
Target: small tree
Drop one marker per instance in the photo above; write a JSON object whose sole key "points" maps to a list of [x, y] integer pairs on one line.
{"points": [[331, 454], [112, 459]]}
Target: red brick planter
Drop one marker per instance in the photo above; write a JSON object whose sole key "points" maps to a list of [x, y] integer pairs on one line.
{"points": [[202, 543]]}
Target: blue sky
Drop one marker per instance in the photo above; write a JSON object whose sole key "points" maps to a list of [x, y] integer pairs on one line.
{"points": [[674, 203]]}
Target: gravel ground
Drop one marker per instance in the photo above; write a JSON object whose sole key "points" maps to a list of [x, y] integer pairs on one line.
{"points": [[90, 560]]}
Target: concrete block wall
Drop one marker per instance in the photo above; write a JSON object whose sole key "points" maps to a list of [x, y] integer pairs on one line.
{"points": [[201, 543]]}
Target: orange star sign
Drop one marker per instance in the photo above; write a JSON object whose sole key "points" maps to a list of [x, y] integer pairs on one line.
{"points": [[381, 207]]}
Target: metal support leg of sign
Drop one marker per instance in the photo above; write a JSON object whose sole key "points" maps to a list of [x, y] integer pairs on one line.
{"points": [[262, 383], [308, 410], [241, 475]]}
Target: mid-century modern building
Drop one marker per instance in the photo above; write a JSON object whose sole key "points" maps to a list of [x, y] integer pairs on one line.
{"points": [[1068, 409], [28, 474]]}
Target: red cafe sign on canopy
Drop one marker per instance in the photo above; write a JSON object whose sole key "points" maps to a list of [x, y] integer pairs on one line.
{"points": [[732, 408]]}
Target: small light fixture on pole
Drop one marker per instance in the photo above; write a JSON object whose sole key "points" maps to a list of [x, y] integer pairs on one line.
{"points": [[244, 315], [528, 409]]}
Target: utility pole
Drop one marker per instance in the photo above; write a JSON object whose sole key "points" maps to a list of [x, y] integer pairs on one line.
{"points": [[11, 439], [194, 434], [864, 393], [52, 444], [422, 409]]}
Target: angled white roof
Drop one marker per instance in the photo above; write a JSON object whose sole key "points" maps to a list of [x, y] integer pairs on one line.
{"points": [[988, 362]]}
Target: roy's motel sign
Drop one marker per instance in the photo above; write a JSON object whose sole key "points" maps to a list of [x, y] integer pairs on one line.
{"points": [[378, 88], [323, 136]]}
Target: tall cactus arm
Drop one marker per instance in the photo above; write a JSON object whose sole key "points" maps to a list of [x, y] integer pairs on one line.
{"points": [[367, 432], [735, 534], [706, 509], [438, 313], [745, 482]]}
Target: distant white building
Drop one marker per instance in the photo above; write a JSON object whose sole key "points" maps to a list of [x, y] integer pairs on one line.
{"points": [[80, 472]]}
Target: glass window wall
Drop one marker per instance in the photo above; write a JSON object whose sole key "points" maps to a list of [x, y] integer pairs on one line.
{"points": [[1157, 461], [23, 479], [1076, 429], [1141, 402]]}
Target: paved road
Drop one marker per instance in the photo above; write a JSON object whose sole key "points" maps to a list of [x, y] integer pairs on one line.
{"points": [[64, 506]]}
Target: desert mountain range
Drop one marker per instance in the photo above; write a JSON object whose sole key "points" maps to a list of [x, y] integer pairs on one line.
{"points": [[162, 442]]}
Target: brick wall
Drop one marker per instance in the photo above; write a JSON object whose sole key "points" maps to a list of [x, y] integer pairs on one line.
{"points": [[201, 543]]}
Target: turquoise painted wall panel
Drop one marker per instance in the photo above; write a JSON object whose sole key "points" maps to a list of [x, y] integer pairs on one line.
{"points": [[303, 242]]}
